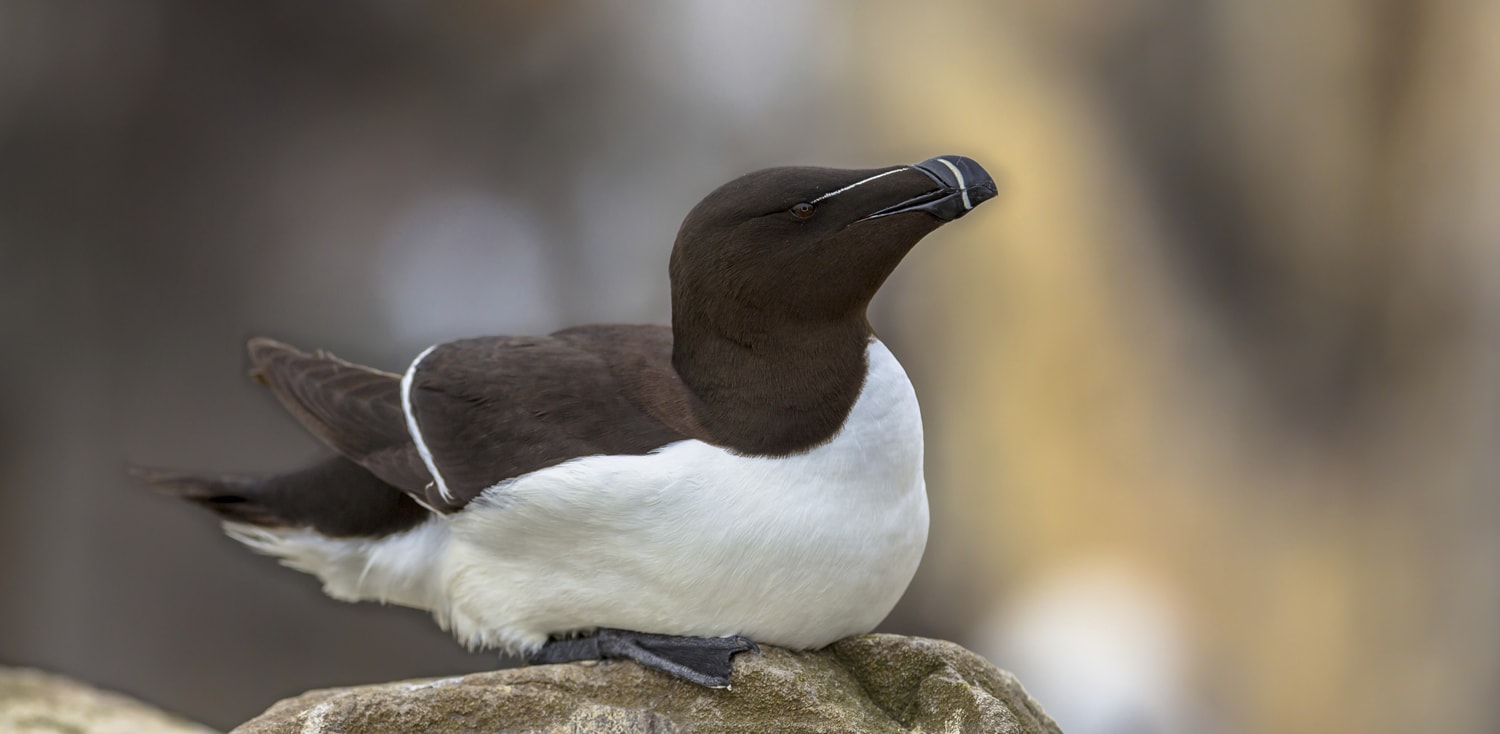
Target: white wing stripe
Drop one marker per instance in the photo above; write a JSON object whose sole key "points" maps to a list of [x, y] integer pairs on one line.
{"points": [[414, 430]]}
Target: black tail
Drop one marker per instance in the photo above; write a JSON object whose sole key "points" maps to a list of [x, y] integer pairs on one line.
{"points": [[335, 497]]}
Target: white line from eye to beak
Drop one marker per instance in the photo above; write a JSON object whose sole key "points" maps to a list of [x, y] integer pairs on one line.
{"points": [[961, 187], [858, 183]]}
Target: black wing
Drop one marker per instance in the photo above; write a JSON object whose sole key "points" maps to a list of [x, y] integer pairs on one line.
{"points": [[356, 410], [494, 408]]}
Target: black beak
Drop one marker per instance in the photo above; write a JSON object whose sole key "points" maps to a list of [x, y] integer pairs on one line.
{"points": [[963, 184]]}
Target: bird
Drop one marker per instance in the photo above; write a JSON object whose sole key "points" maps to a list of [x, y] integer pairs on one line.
{"points": [[674, 494]]}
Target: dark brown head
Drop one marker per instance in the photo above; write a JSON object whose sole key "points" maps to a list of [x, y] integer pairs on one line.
{"points": [[772, 273], [810, 244]]}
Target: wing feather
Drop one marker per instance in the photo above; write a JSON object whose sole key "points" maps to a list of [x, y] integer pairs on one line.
{"points": [[494, 408], [355, 410], [487, 409]]}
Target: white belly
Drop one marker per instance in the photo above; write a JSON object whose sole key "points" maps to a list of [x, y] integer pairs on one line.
{"points": [[694, 540]]}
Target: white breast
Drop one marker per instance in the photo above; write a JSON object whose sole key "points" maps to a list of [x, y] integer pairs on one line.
{"points": [[695, 540]]}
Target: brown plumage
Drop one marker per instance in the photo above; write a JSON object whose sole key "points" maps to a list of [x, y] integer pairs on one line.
{"points": [[494, 408], [355, 410]]}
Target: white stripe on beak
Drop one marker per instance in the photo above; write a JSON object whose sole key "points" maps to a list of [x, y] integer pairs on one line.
{"points": [[962, 188]]}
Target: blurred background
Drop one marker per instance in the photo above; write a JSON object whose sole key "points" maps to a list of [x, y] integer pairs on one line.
{"points": [[1212, 392]]}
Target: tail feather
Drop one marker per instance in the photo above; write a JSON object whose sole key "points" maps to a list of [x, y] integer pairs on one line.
{"points": [[228, 496], [335, 497]]}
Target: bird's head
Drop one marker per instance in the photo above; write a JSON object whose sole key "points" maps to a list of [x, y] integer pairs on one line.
{"points": [[788, 246]]}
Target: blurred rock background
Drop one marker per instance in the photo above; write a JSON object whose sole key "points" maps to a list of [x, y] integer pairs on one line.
{"points": [[1212, 392]]}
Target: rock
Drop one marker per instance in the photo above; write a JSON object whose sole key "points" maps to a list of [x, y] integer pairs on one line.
{"points": [[32, 702], [875, 683]]}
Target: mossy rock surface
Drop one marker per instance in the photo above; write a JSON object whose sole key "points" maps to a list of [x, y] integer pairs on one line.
{"points": [[33, 702], [874, 683]]}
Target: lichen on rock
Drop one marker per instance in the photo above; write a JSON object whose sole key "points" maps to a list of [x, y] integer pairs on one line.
{"points": [[873, 683]]}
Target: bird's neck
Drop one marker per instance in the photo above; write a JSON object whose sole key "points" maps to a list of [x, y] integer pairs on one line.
{"points": [[772, 390]]}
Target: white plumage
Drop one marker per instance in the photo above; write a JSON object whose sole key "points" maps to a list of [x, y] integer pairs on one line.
{"points": [[690, 540]]}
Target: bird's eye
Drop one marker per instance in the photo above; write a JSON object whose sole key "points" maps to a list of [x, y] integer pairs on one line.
{"points": [[803, 210]]}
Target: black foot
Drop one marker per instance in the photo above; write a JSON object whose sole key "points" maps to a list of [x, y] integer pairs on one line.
{"points": [[701, 660]]}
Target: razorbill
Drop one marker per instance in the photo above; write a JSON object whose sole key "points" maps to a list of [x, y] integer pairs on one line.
{"points": [[671, 495]]}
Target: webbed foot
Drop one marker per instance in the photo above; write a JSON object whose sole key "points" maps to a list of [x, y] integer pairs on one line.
{"points": [[701, 660]]}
